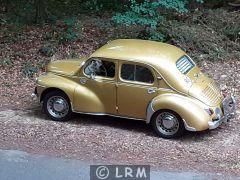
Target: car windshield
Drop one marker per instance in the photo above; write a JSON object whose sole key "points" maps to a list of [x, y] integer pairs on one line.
{"points": [[185, 64]]}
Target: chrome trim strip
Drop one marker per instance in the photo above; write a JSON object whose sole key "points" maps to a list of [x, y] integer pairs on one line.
{"points": [[40, 85], [106, 114], [165, 89], [187, 127]]}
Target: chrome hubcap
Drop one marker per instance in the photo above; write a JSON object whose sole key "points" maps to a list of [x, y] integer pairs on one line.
{"points": [[167, 123], [57, 106]]}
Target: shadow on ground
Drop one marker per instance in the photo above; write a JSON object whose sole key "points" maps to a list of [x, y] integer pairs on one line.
{"points": [[118, 123]]}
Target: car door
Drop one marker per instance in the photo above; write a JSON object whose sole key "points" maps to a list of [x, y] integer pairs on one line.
{"points": [[137, 86], [96, 92]]}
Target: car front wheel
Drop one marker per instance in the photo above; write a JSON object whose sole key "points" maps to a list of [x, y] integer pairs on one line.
{"points": [[168, 124], [57, 106]]}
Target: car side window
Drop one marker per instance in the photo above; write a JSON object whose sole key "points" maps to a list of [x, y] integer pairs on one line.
{"points": [[143, 74], [137, 73], [127, 72], [101, 68]]}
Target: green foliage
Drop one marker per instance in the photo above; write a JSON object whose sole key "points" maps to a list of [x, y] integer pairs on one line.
{"points": [[93, 5], [28, 69], [47, 50], [102, 5], [48, 11], [5, 62], [216, 3], [72, 54], [232, 32], [11, 33], [206, 35], [150, 14], [41, 65], [21, 12], [147, 12], [67, 30], [67, 33], [222, 21], [157, 36]]}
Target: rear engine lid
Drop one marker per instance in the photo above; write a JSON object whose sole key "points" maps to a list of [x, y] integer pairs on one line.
{"points": [[205, 90]]}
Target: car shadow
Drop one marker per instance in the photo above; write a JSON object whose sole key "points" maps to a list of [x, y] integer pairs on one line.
{"points": [[117, 123]]}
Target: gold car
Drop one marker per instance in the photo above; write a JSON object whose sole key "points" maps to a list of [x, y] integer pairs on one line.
{"points": [[143, 80]]}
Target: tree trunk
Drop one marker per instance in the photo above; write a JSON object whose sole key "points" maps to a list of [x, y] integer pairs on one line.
{"points": [[39, 11]]}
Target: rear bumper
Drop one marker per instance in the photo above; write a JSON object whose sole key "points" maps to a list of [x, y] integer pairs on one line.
{"points": [[229, 111]]}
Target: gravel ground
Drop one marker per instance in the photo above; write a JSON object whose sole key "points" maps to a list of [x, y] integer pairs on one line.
{"points": [[114, 140]]}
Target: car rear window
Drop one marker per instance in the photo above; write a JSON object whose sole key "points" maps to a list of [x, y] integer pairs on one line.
{"points": [[185, 64]]}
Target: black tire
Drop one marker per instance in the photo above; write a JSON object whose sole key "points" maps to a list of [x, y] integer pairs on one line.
{"points": [[177, 133], [68, 113]]}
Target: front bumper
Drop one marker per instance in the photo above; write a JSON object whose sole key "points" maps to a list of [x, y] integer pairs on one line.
{"points": [[34, 95], [229, 111]]}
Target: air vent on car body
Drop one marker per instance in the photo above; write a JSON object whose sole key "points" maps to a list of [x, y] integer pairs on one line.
{"points": [[212, 93], [184, 64]]}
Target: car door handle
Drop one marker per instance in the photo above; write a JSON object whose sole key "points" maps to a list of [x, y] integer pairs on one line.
{"points": [[151, 90], [83, 80]]}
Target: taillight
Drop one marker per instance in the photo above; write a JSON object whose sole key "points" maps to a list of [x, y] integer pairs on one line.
{"points": [[209, 111]]}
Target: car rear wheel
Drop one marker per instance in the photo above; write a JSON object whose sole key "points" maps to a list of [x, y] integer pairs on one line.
{"points": [[57, 106], [168, 124]]}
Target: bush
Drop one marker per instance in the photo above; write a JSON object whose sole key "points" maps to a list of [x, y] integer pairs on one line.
{"points": [[5, 62], [11, 33], [28, 69], [67, 30], [222, 21], [43, 11], [20, 12], [202, 38], [102, 5], [150, 14], [47, 50], [216, 3], [232, 32]]}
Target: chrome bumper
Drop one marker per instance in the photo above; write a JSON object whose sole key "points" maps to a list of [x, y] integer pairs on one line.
{"points": [[34, 95], [229, 111]]}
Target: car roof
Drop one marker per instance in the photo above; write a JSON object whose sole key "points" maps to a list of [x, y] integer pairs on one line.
{"points": [[144, 51]]}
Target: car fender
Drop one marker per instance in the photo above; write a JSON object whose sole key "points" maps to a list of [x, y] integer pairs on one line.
{"points": [[53, 81], [190, 110]]}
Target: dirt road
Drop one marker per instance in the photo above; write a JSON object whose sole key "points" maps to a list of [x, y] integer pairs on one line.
{"points": [[113, 140]]}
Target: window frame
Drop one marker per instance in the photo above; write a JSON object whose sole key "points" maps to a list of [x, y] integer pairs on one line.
{"points": [[136, 64], [102, 59]]}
